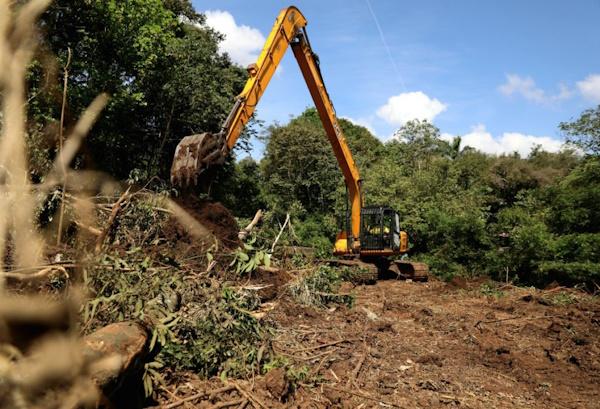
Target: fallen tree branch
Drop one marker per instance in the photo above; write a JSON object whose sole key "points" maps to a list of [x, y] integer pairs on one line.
{"points": [[111, 220], [255, 401], [323, 345], [304, 358], [219, 391], [228, 403], [199, 395], [554, 290], [33, 276], [287, 220], [210, 266], [177, 398], [265, 269], [182, 401], [248, 229], [357, 368], [92, 230]]}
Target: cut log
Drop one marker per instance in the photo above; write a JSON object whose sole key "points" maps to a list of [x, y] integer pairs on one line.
{"points": [[129, 342]]}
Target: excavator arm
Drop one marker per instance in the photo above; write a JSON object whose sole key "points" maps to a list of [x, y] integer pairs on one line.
{"points": [[197, 152]]}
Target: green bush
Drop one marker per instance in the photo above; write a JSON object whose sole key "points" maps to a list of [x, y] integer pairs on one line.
{"points": [[220, 337], [570, 273], [583, 247], [531, 244], [453, 238], [574, 202], [317, 231]]}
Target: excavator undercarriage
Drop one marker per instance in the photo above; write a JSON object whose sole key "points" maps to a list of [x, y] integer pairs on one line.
{"points": [[368, 271]]}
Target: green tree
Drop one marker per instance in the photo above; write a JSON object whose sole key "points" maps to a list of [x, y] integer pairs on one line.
{"points": [[466, 212], [299, 166], [164, 73], [584, 132], [365, 147], [575, 201], [241, 191], [418, 142], [301, 174]]}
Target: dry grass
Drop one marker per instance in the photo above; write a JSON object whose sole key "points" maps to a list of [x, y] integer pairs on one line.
{"points": [[41, 356], [48, 370]]}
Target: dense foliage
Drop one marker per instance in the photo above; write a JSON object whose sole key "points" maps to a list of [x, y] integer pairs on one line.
{"points": [[158, 62], [532, 219]]}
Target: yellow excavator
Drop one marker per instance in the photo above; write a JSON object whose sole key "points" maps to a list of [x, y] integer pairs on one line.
{"points": [[371, 234]]}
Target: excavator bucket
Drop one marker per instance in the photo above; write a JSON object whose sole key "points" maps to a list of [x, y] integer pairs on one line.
{"points": [[194, 154]]}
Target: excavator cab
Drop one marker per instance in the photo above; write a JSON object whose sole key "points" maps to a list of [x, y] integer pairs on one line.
{"points": [[380, 240], [380, 232]]}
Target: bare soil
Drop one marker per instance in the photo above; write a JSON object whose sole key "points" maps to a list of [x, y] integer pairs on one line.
{"points": [[424, 345], [212, 215]]}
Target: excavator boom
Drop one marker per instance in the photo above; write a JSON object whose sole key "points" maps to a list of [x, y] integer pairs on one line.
{"points": [[198, 152]]}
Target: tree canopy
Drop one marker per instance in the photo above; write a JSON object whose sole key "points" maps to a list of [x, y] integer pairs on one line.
{"points": [[164, 74], [466, 212], [585, 131]]}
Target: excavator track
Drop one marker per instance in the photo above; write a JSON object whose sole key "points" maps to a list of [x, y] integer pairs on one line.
{"points": [[410, 270], [368, 273], [361, 272]]}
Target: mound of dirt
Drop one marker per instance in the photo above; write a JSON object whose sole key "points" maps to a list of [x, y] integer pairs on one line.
{"points": [[212, 215], [272, 280]]}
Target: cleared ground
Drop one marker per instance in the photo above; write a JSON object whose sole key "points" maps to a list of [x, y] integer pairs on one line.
{"points": [[422, 345]]}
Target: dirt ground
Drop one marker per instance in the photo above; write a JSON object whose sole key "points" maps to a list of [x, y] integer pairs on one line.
{"points": [[213, 215], [423, 345]]}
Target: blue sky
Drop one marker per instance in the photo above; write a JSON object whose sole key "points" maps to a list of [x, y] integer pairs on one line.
{"points": [[501, 74]]}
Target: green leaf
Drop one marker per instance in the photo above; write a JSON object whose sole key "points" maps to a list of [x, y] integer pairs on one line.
{"points": [[139, 305], [154, 338]]}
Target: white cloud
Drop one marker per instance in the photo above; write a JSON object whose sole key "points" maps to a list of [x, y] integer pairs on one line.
{"points": [[481, 139], [564, 92], [526, 87], [590, 87], [523, 86], [448, 137], [242, 43], [410, 105]]}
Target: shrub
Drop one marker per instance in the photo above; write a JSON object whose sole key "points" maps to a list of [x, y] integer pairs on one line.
{"points": [[220, 337], [570, 273], [583, 247]]}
